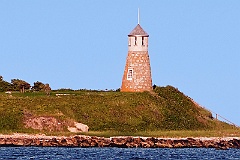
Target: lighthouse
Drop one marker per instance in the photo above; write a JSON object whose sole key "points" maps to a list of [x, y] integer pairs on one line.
{"points": [[137, 72]]}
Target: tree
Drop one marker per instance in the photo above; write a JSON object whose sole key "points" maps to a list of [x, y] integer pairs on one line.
{"points": [[20, 85], [4, 85], [47, 89], [38, 86], [154, 86]]}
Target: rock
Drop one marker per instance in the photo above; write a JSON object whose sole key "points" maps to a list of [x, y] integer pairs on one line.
{"points": [[123, 142], [38, 142], [236, 143], [106, 142], [70, 142], [63, 142], [82, 127], [79, 127], [73, 129], [8, 141], [27, 141], [119, 142], [151, 142], [95, 144], [163, 145], [145, 145], [18, 142], [2, 141], [44, 123], [54, 142], [178, 145]]}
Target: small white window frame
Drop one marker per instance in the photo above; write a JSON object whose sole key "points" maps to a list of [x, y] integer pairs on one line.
{"points": [[130, 74]]}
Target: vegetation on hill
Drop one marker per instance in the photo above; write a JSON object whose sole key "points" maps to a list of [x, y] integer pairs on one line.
{"points": [[22, 86], [164, 109]]}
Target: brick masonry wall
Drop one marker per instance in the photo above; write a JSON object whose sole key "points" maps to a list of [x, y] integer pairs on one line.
{"points": [[141, 80]]}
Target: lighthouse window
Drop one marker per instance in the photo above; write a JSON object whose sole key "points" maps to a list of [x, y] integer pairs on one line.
{"points": [[143, 41], [129, 74], [135, 40], [129, 42]]}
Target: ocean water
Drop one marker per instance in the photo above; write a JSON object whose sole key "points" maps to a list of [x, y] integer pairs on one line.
{"points": [[115, 153]]}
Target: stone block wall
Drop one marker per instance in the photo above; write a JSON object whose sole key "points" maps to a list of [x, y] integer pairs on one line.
{"points": [[141, 80]]}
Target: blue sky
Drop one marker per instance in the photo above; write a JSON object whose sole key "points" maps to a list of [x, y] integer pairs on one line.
{"points": [[193, 45]]}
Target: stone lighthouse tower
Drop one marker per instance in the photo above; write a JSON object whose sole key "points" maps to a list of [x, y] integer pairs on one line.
{"points": [[137, 73]]}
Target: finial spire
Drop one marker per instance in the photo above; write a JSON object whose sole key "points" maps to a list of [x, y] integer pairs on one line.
{"points": [[138, 16]]}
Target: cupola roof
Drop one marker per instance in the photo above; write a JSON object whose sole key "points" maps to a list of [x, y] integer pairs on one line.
{"points": [[138, 31]]}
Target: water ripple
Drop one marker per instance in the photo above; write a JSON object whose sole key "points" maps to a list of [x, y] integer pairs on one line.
{"points": [[115, 153]]}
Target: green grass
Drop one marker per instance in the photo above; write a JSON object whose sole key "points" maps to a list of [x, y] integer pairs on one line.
{"points": [[161, 134], [171, 134], [111, 113]]}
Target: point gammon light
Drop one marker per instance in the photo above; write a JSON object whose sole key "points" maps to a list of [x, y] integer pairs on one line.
{"points": [[137, 72]]}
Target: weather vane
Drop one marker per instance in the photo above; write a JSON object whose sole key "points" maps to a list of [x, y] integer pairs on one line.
{"points": [[138, 16]]}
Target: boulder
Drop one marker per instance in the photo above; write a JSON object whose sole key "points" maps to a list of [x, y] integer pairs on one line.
{"points": [[82, 127], [78, 127]]}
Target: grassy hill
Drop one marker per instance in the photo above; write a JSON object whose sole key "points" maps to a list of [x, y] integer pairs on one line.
{"points": [[166, 108]]}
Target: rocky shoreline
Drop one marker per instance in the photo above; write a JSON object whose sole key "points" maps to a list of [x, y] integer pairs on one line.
{"points": [[121, 142]]}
